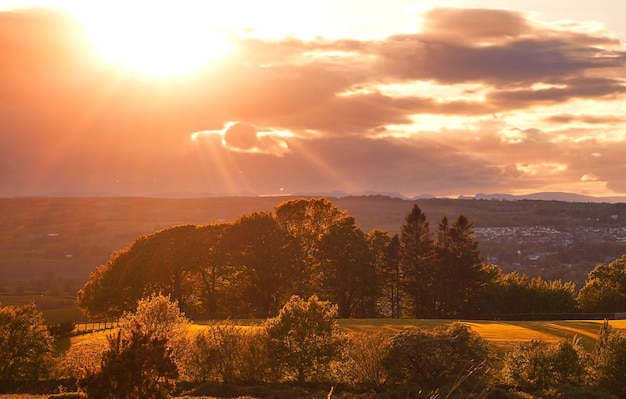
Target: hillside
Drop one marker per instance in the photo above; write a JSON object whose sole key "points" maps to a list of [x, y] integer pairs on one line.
{"points": [[47, 242]]}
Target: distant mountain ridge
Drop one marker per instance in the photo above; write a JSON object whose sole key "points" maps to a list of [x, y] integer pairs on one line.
{"points": [[540, 196], [549, 196]]}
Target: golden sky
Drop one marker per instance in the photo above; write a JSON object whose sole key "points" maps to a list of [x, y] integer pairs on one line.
{"points": [[278, 97]]}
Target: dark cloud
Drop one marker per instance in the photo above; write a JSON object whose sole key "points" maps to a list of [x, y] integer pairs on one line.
{"points": [[590, 119], [474, 24]]}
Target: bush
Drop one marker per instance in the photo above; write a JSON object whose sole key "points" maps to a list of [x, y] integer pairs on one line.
{"points": [[63, 329], [452, 359], [136, 366], [227, 353], [536, 365], [363, 359], [26, 346], [304, 339], [609, 359]]}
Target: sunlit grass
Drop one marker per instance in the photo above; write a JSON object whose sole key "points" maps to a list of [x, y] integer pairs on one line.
{"points": [[504, 335]]}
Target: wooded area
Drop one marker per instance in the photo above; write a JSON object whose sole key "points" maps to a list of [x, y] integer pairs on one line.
{"points": [[249, 268]]}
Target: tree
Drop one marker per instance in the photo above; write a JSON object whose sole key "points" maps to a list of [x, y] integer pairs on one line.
{"points": [[263, 254], [136, 366], [458, 265], [306, 220], [392, 277], [605, 288], [416, 260], [348, 269], [213, 268], [609, 360], [304, 338], [161, 262], [501, 293], [26, 347]]}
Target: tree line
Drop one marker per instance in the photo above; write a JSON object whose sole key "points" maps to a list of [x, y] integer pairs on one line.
{"points": [[252, 266]]}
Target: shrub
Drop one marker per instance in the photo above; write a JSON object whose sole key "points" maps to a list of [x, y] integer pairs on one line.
{"points": [[536, 365], [304, 339], [137, 365], [609, 359], [63, 329], [227, 353], [363, 358], [26, 346], [454, 358]]}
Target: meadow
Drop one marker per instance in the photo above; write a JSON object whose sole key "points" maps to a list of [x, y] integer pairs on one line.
{"points": [[504, 335]]}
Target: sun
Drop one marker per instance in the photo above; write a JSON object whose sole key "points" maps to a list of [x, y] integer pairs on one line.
{"points": [[153, 39]]}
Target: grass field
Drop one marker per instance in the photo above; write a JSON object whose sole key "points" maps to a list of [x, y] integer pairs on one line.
{"points": [[503, 334]]}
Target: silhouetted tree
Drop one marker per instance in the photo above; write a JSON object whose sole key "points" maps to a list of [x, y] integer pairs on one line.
{"points": [[417, 262], [348, 271], [458, 264], [605, 288], [306, 220], [392, 277], [264, 255]]}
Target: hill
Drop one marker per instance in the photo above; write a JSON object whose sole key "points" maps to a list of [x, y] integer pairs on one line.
{"points": [[55, 242]]}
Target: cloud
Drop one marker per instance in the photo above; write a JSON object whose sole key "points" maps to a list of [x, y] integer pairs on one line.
{"points": [[243, 137], [482, 100]]}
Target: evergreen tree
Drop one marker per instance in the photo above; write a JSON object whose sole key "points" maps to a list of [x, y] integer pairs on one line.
{"points": [[417, 262], [459, 267]]}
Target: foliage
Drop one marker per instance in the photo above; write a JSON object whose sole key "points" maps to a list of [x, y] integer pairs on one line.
{"points": [[26, 346], [159, 316], [457, 275], [136, 366], [609, 360], [224, 352], [306, 220], [304, 338], [364, 353], [348, 269], [434, 359], [605, 288], [502, 292], [416, 260], [265, 254], [536, 365], [63, 329], [161, 262]]}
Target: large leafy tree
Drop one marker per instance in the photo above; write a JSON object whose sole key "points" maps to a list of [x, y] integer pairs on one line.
{"points": [[165, 261], [213, 272], [417, 262], [306, 220], [26, 347], [348, 269], [263, 254], [605, 288]]}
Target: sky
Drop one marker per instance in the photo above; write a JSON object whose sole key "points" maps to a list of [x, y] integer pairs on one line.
{"points": [[279, 97]]}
